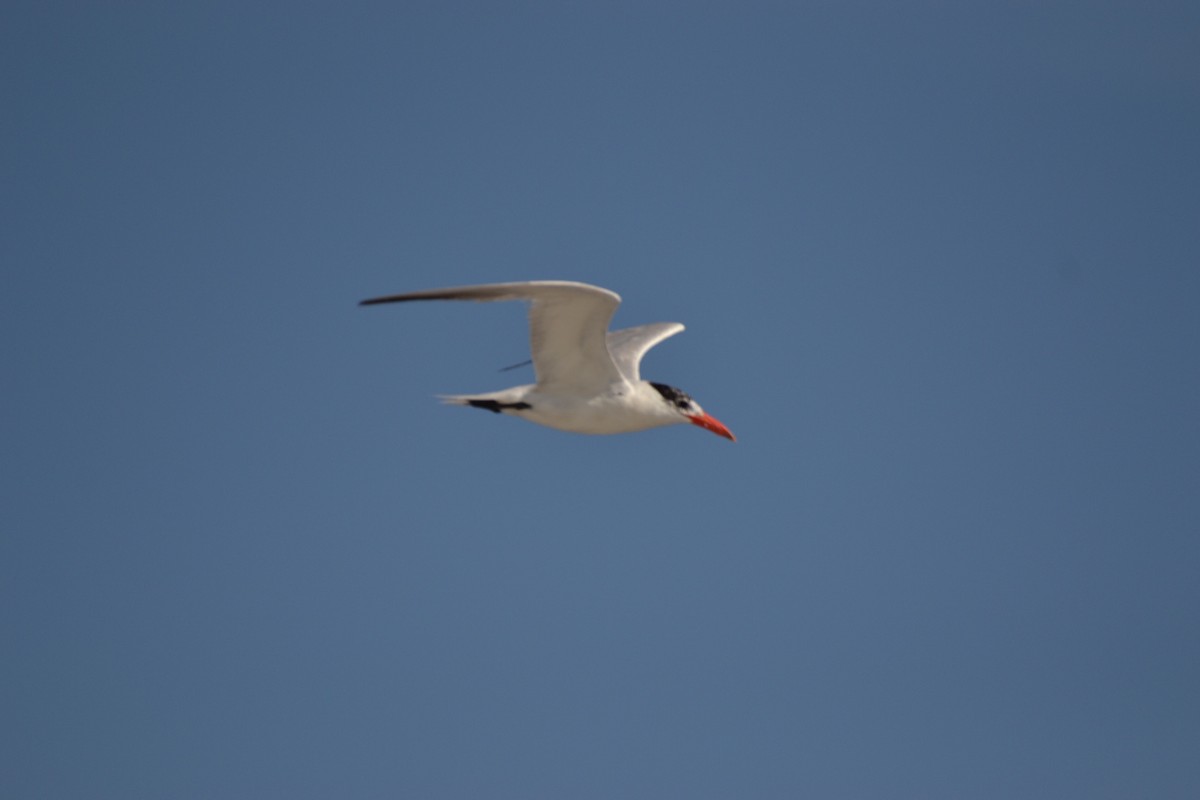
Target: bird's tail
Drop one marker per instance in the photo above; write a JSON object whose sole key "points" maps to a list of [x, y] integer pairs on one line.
{"points": [[455, 399], [494, 401]]}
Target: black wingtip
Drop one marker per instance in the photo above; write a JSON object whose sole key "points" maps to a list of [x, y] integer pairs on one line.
{"points": [[496, 406], [396, 298]]}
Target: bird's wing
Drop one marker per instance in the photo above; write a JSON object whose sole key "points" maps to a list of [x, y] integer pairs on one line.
{"points": [[627, 346], [567, 326]]}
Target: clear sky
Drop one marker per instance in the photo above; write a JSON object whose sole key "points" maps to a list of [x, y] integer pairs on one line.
{"points": [[940, 268]]}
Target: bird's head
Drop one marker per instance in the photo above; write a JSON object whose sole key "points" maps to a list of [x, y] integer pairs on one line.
{"points": [[681, 403]]}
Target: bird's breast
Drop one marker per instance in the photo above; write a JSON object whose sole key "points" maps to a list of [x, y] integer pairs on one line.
{"points": [[613, 412]]}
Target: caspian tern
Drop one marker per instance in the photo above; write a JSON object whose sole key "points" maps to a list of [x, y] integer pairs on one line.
{"points": [[587, 376]]}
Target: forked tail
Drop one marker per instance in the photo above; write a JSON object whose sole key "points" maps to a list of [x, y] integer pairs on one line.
{"points": [[486, 402]]}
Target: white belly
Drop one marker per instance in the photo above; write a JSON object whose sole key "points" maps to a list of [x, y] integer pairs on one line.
{"points": [[598, 415]]}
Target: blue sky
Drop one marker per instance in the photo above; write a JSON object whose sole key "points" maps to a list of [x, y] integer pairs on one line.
{"points": [[940, 268]]}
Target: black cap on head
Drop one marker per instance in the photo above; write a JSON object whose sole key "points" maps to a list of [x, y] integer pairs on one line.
{"points": [[676, 397]]}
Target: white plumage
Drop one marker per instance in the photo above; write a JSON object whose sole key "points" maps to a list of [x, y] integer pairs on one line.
{"points": [[588, 379]]}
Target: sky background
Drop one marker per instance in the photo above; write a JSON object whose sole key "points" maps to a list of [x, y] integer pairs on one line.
{"points": [[940, 268]]}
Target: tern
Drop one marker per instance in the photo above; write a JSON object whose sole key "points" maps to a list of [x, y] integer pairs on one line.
{"points": [[587, 376]]}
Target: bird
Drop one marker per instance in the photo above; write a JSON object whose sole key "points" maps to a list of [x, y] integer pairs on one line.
{"points": [[588, 378]]}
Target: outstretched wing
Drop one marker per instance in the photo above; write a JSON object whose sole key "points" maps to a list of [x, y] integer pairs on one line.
{"points": [[568, 323], [629, 345]]}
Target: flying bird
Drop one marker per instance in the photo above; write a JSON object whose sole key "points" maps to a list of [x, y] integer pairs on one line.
{"points": [[587, 376]]}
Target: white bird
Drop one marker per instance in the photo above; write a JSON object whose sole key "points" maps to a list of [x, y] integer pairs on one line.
{"points": [[587, 376]]}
